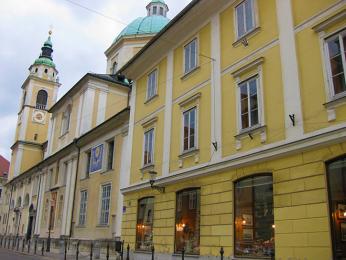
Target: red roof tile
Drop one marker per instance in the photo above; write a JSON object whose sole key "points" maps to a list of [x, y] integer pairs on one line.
{"points": [[4, 166]]}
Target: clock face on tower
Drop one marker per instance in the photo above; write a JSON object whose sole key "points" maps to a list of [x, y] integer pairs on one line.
{"points": [[38, 116]]}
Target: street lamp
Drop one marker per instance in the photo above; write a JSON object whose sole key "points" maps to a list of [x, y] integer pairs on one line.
{"points": [[153, 175]]}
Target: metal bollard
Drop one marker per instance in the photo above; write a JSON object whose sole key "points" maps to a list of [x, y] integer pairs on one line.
{"points": [[35, 247], [128, 252], [152, 252], [91, 250], [29, 243], [23, 244], [122, 250], [77, 250], [18, 244], [222, 252], [42, 250], [65, 250], [107, 255], [183, 253]]}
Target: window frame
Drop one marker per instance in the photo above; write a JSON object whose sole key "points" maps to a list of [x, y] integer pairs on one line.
{"points": [[156, 83], [85, 207], [66, 120], [153, 219], [252, 176], [194, 39], [144, 164], [327, 65], [41, 106], [260, 102], [109, 204], [177, 194], [255, 19], [187, 110]]}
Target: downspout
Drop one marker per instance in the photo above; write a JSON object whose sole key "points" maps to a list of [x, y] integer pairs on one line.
{"points": [[75, 185], [8, 212]]}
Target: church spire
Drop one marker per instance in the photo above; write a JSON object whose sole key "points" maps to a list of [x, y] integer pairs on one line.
{"points": [[46, 57]]}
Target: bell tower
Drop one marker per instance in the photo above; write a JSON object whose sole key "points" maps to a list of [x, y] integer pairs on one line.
{"points": [[39, 93], [157, 7]]}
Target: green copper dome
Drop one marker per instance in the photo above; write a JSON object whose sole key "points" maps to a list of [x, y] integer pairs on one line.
{"points": [[144, 25], [44, 61]]}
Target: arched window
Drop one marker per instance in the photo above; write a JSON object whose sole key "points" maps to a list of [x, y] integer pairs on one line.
{"points": [[145, 221], [114, 68], [187, 221], [19, 202], [66, 117], [41, 100], [254, 216], [26, 200]]}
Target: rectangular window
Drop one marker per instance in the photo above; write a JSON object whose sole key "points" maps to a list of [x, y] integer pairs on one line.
{"points": [[155, 10], [152, 84], [190, 54], [87, 164], [110, 158], [337, 62], [145, 220], [187, 221], [82, 207], [245, 16], [161, 10], [254, 217], [148, 147], [105, 203], [336, 176], [190, 120], [249, 110], [64, 179]]}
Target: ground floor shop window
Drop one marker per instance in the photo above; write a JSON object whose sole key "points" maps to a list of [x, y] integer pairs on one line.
{"points": [[145, 220], [337, 203], [187, 219], [254, 218]]}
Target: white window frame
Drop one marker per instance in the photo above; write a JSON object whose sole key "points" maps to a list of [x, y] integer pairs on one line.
{"points": [[329, 80], [152, 129], [254, 18], [101, 200], [84, 213], [195, 39], [151, 93], [187, 109], [261, 118]]}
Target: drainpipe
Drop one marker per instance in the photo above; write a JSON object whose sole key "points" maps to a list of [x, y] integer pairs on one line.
{"points": [[75, 185], [37, 200], [9, 208]]}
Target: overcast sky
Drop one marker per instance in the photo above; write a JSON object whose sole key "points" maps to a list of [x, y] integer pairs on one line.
{"points": [[79, 38]]}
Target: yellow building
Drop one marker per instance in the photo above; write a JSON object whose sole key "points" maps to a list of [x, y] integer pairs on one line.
{"points": [[230, 134], [237, 127]]}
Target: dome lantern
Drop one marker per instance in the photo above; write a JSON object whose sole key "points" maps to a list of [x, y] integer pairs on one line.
{"points": [[157, 7]]}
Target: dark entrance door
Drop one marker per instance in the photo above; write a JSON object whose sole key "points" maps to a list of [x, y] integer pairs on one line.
{"points": [[29, 231], [31, 222], [337, 203]]}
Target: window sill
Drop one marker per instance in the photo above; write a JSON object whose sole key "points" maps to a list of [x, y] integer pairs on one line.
{"points": [[80, 226], [187, 74], [102, 226], [149, 100], [63, 135], [189, 153], [246, 36], [147, 168], [336, 101], [251, 130]]}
